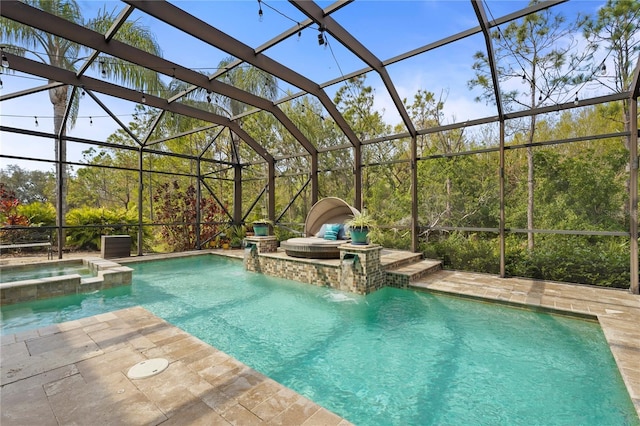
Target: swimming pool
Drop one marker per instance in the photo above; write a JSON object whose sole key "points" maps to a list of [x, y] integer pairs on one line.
{"points": [[392, 357]]}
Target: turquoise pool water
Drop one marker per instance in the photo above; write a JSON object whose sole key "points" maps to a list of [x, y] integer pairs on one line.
{"points": [[394, 357]]}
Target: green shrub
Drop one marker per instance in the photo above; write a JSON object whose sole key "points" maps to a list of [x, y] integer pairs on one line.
{"points": [[38, 213], [602, 261], [465, 252], [394, 238], [282, 234], [100, 222]]}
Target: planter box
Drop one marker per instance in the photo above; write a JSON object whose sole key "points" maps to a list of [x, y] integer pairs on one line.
{"points": [[261, 230], [359, 236], [113, 246]]}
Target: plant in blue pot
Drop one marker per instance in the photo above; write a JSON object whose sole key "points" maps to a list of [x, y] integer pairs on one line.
{"points": [[261, 227], [360, 225]]}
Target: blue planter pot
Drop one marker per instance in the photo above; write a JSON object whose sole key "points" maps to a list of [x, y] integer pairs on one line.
{"points": [[359, 236], [261, 230]]}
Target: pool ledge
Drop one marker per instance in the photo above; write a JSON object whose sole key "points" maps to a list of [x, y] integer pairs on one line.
{"points": [[76, 372], [617, 311]]}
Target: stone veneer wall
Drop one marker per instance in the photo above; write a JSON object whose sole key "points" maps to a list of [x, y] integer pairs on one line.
{"points": [[268, 244], [365, 275], [362, 276], [294, 269], [396, 280]]}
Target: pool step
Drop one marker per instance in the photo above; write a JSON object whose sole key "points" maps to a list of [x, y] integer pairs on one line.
{"points": [[392, 259], [402, 275]]}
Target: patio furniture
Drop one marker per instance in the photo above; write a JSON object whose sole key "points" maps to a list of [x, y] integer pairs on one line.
{"points": [[314, 245]]}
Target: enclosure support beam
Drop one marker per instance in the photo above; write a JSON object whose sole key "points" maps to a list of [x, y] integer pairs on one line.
{"points": [[140, 191], [293, 200], [357, 171], [60, 123], [32, 67], [59, 197], [314, 178], [271, 190], [633, 194], [327, 23], [237, 194], [414, 194], [502, 227], [178, 18], [199, 205]]}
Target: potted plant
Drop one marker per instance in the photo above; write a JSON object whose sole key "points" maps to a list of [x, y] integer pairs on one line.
{"points": [[360, 225], [223, 240], [261, 227], [236, 235], [236, 243]]}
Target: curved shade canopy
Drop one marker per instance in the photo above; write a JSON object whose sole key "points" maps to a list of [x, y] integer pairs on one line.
{"points": [[327, 210]]}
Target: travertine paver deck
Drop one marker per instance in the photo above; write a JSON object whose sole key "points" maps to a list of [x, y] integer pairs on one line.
{"points": [[617, 311], [76, 373]]}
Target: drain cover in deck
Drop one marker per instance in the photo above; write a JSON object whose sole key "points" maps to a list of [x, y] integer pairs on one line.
{"points": [[148, 368]]}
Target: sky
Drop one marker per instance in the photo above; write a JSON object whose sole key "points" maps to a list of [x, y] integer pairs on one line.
{"points": [[387, 28]]}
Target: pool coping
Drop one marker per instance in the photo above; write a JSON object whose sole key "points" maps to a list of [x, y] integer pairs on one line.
{"points": [[617, 311]]}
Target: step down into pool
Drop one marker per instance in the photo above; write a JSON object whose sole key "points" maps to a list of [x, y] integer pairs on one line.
{"points": [[408, 267]]}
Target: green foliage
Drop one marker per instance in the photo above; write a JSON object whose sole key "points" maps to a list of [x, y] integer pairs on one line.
{"points": [[394, 238], [602, 261], [105, 186], [584, 190], [361, 220], [465, 252], [283, 234], [236, 234], [38, 213], [29, 185], [236, 231], [100, 222], [599, 261]]}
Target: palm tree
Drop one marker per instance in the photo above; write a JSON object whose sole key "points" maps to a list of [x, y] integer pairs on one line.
{"points": [[249, 79], [59, 52], [252, 80]]}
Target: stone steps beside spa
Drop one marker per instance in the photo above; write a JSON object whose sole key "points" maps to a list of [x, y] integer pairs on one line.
{"points": [[410, 271]]}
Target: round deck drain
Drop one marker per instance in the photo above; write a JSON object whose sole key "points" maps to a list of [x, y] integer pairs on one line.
{"points": [[148, 368]]}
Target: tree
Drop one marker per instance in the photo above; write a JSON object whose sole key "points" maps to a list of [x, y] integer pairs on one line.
{"points": [[29, 185], [249, 79], [355, 102], [617, 26], [101, 184], [427, 111], [537, 49], [62, 53]]}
